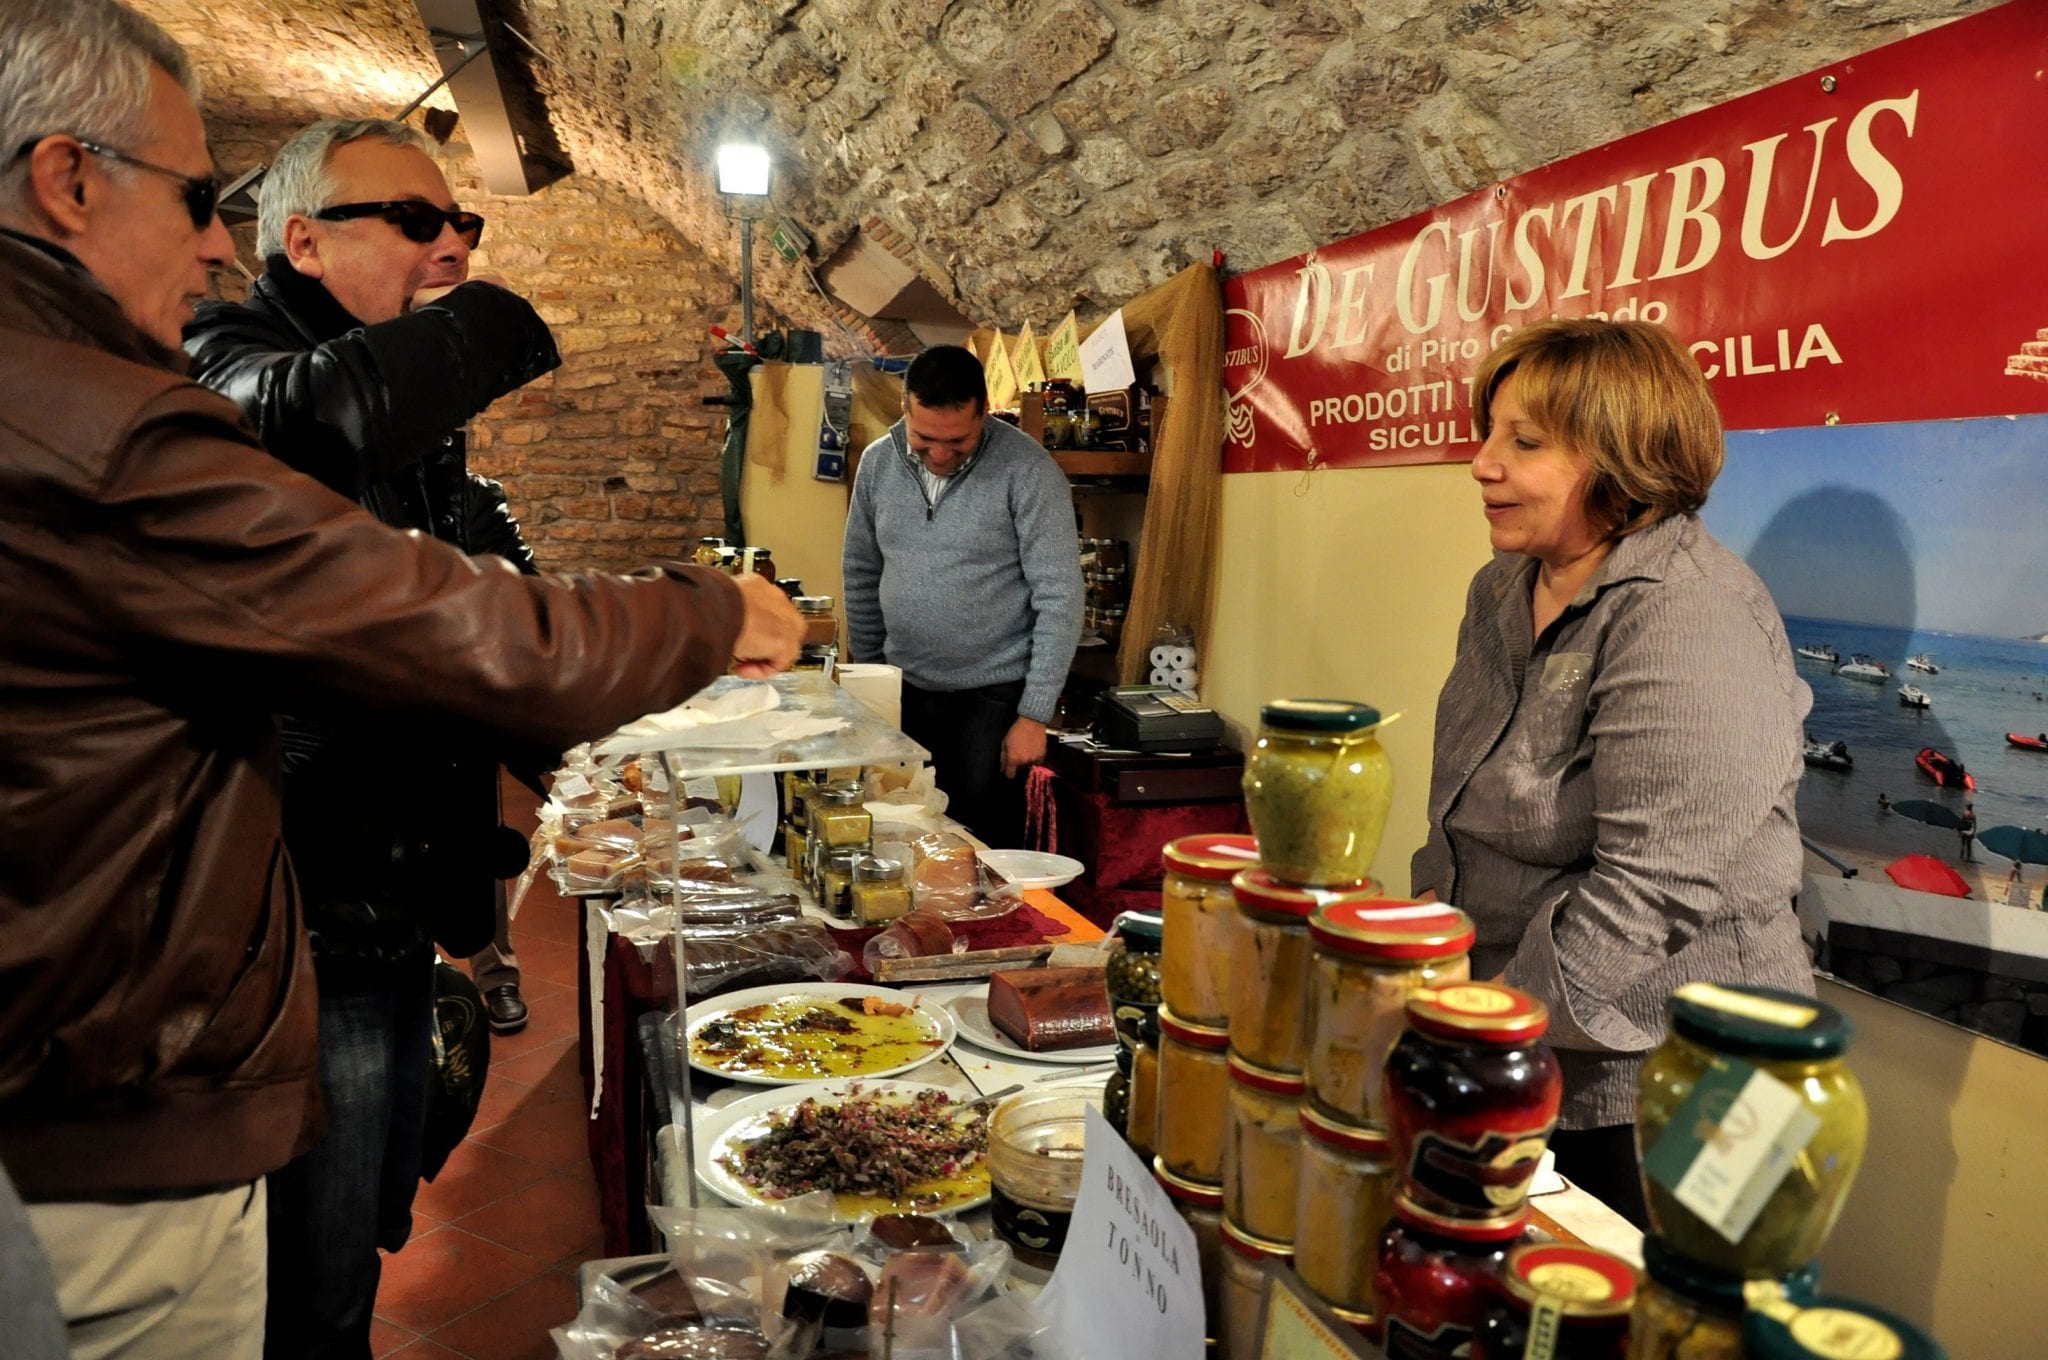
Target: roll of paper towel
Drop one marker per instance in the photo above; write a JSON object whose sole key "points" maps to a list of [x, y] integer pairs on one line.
{"points": [[1162, 676], [1162, 658], [1180, 658], [879, 687], [1184, 681]]}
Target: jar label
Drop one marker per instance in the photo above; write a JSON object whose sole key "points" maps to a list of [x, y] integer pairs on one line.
{"points": [[1730, 1145], [1446, 1341], [1840, 1334], [1489, 1178], [1784, 1014]]}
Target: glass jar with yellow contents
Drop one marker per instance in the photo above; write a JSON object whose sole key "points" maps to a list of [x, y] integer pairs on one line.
{"points": [[1201, 1206], [1731, 1052], [1369, 958], [1262, 1150], [840, 816], [1244, 1289], [880, 892], [1345, 1196], [1317, 787], [1200, 919], [1684, 1311], [1270, 965], [1194, 1086]]}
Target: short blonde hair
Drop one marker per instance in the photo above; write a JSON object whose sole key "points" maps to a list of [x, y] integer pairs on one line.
{"points": [[1627, 396]]}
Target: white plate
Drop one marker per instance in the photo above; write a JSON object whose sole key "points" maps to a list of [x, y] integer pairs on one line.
{"points": [[1033, 868], [720, 1131], [939, 1020], [972, 1013]]}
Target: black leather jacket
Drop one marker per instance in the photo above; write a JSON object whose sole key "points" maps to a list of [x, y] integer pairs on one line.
{"points": [[390, 826]]}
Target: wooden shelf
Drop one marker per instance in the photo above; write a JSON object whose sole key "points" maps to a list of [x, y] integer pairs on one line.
{"points": [[1094, 463]]}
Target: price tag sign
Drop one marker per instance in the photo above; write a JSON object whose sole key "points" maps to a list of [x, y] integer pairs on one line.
{"points": [[1063, 351], [1030, 371], [1296, 1326], [1106, 356], [1002, 376], [1129, 1278], [1731, 1144]]}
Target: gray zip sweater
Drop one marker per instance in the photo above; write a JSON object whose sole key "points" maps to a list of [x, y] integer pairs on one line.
{"points": [[979, 587]]}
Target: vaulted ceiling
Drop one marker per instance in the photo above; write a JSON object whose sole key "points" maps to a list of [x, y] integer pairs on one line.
{"points": [[1042, 154]]}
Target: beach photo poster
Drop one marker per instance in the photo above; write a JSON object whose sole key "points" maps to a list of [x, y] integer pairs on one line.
{"points": [[1910, 563]]}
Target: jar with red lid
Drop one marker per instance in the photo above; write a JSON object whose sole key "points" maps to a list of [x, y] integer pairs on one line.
{"points": [[1200, 915], [1244, 1289], [1201, 1207], [1270, 965], [1344, 1198], [1472, 1094], [1194, 1094], [1262, 1150], [1369, 958], [1559, 1300], [1435, 1277]]}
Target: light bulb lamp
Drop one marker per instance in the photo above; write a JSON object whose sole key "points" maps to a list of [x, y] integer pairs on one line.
{"points": [[743, 172]]}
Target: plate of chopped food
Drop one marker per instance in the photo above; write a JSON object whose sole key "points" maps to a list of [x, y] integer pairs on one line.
{"points": [[879, 1147], [795, 1032]]}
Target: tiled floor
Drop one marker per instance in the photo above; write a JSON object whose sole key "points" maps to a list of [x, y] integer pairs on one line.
{"points": [[498, 1234]]}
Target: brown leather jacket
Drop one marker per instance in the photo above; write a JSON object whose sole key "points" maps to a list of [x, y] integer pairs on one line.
{"points": [[164, 585]]}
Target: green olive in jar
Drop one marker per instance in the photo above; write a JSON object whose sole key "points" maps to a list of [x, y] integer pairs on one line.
{"points": [[1317, 787]]}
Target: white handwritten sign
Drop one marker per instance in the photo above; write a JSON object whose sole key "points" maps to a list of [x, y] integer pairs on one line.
{"points": [[1106, 356], [1129, 1279]]}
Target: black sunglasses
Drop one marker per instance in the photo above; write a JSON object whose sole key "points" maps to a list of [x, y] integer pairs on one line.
{"points": [[421, 222], [200, 192]]}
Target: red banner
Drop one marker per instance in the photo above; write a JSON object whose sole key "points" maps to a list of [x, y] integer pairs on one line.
{"points": [[1867, 243]]}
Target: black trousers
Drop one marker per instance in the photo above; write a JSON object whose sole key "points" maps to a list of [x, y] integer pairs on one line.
{"points": [[964, 731], [1602, 1162]]}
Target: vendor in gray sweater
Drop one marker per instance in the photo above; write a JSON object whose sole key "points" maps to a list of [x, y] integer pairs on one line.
{"points": [[962, 567]]}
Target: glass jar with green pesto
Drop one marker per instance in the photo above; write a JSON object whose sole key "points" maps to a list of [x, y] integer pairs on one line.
{"points": [[1736, 1056], [1317, 787]]}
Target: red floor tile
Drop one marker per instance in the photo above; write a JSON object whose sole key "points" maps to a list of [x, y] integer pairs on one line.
{"points": [[476, 1175], [551, 1220], [514, 1326], [550, 962], [550, 1070], [387, 1337], [445, 1273], [548, 1018], [423, 1349], [547, 919], [554, 1133]]}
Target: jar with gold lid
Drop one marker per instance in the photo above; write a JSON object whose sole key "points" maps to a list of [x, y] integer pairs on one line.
{"points": [[1562, 1300], [1345, 1196], [1244, 1289], [1201, 1207], [1262, 1149], [1269, 988], [1194, 1086], [1369, 957], [1317, 787], [1827, 1328], [1435, 1275], [1199, 916]]}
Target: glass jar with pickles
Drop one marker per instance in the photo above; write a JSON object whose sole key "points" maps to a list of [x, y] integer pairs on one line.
{"points": [[1684, 1311], [1575, 1298], [1132, 974], [1369, 958], [1345, 1196], [1199, 913], [1262, 1150], [1472, 1094], [1269, 985], [1721, 1038], [1317, 786], [1434, 1276], [1194, 1088]]}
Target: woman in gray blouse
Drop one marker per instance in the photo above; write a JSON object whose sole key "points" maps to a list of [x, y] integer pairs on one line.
{"points": [[1617, 745]]}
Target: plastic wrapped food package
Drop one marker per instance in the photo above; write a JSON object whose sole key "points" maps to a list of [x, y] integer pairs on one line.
{"points": [[945, 873]]}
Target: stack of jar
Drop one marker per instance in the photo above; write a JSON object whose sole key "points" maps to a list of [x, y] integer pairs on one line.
{"points": [[1129, 1098], [1106, 577], [828, 842], [1707, 1275]]}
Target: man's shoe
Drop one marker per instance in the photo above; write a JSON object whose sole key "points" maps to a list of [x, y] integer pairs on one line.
{"points": [[507, 1010]]}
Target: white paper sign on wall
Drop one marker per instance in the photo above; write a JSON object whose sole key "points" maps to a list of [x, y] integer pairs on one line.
{"points": [[1106, 357]]}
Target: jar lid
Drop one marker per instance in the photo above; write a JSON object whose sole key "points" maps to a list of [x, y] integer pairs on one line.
{"points": [[1502, 1228], [1187, 1191], [1365, 1323], [875, 869], [841, 795], [1255, 1248], [1264, 895], [845, 857], [1485, 1012], [1758, 1021], [1211, 856], [1583, 1282], [1833, 1329], [1141, 929], [1390, 928], [813, 604], [1199, 1036], [1319, 715], [1717, 1291], [1364, 1139], [1266, 1078]]}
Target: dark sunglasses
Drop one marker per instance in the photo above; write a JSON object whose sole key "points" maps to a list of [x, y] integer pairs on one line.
{"points": [[421, 222], [200, 192]]}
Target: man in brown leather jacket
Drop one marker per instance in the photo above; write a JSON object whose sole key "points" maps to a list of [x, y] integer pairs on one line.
{"points": [[166, 584]]}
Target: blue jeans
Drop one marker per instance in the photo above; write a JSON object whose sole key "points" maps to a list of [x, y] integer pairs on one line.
{"points": [[352, 1193]]}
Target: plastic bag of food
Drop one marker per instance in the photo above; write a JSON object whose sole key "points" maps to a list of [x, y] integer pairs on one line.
{"points": [[945, 872], [922, 1295], [715, 961]]}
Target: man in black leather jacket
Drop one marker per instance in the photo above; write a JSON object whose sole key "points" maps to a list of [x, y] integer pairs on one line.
{"points": [[359, 355]]}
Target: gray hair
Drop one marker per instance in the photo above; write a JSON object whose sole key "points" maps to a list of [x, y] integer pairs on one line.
{"points": [[82, 67], [297, 182]]}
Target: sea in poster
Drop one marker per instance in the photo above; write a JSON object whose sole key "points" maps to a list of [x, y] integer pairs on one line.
{"points": [[1898, 541]]}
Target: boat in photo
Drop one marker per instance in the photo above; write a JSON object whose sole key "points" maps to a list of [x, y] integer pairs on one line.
{"points": [[1818, 652], [1828, 755], [1924, 661], [1944, 769], [1912, 696], [2027, 743], [1861, 667]]}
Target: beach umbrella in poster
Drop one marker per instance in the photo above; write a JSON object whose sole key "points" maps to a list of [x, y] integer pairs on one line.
{"points": [[1934, 814], [2015, 842], [1925, 873]]}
